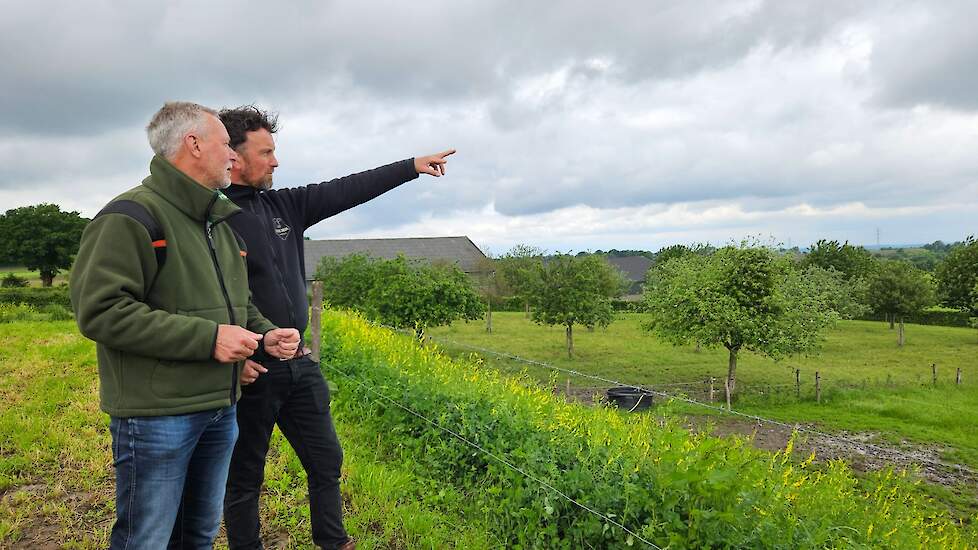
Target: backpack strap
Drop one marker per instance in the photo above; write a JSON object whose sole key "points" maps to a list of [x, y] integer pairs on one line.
{"points": [[139, 213]]}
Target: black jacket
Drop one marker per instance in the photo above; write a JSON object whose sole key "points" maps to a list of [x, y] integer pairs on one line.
{"points": [[272, 225]]}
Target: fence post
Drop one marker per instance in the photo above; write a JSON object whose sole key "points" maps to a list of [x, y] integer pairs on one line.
{"points": [[957, 380], [317, 318], [726, 389], [933, 369], [568, 395], [818, 388], [798, 383], [713, 380]]}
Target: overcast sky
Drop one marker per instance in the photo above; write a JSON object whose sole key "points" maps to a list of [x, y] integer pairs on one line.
{"points": [[579, 125]]}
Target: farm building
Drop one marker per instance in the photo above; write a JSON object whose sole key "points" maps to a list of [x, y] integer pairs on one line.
{"points": [[634, 268]]}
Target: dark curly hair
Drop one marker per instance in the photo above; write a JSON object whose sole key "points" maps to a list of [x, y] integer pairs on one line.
{"points": [[244, 119]]}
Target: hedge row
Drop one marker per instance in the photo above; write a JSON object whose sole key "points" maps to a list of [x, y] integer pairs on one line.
{"points": [[676, 489], [944, 318], [36, 296]]}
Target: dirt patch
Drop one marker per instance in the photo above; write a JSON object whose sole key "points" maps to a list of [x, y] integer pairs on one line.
{"points": [[39, 530], [864, 452]]}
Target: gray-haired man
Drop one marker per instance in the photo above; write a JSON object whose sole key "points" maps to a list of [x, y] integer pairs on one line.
{"points": [[161, 285]]}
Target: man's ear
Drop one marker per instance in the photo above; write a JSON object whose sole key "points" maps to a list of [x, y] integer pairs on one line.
{"points": [[192, 141]]}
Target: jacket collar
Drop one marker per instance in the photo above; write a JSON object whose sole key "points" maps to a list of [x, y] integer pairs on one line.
{"points": [[188, 196], [237, 192]]}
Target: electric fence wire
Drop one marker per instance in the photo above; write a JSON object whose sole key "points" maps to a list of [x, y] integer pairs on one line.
{"points": [[496, 457], [851, 442]]}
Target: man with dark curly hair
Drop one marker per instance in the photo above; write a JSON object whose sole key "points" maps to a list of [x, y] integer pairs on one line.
{"points": [[292, 393]]}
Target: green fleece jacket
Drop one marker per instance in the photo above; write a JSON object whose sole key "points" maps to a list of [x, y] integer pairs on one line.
{"points": [[156, 328]]}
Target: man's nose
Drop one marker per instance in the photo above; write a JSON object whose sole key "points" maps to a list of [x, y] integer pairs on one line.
{"points": [[274, 162]]}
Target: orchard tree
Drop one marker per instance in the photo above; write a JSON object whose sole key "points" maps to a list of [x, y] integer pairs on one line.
{"points": [[346, 281], [957, 276], [42, 238], [518, 269], [400, 292], [741, 298], [852, 261], [491, 284], [898, 289], [847, 298], [575, 290]]}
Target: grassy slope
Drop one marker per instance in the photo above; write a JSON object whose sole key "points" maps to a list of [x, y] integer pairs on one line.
{"points": [[56, 479], [897, 399]]}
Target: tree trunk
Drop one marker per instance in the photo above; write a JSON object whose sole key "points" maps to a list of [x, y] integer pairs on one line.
{"points": [[526, 308], [697, 350], [732, 370], [489, 316], [47, 278], [890, 316], [900, 333], [570, 341]]}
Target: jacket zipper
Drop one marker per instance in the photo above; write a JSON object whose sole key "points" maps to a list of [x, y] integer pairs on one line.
{"points": [[220, 279]]}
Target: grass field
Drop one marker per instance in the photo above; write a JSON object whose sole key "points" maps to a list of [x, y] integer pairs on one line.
{"points": [[56, 478], [869, 384]]}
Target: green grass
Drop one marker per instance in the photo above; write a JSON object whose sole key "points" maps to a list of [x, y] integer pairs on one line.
{"points": [[892, 390], [57, 482]]}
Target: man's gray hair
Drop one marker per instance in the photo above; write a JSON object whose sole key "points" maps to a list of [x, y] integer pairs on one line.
{"points": [[172, 123]]}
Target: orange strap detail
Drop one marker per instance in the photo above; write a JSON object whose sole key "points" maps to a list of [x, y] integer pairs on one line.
{"points": [[159, 244]]}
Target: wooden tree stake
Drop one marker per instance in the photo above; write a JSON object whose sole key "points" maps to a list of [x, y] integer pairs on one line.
{"points": [[317, 318]]}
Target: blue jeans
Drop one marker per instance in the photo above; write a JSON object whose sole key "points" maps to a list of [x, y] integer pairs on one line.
{"points": [[170, 474]]}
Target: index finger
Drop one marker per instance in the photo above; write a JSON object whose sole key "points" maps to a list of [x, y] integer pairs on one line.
{"points": [[444, 154]]}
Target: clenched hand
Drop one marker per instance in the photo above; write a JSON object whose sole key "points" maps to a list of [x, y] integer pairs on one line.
{"points": [[234, 343], [282, 342]]}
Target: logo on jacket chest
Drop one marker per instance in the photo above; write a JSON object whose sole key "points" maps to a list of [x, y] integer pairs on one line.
{"points": [[281, 229]]}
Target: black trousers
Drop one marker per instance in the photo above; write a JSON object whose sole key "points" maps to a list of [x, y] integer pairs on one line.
{"points": [[294, 395]]}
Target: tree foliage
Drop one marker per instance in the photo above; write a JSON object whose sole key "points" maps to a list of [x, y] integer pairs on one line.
{"points": [[957, 276], [575, 290], [518, 270], [680, 250], [347, 281], [900, 289], [491, 285], [848, 298], [41, 237], [741, 298], [400, 292], [852, 261]]}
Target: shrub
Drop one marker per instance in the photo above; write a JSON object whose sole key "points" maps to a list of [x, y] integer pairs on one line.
{"points": [[36, 296], [674, 488], [13, 281]]}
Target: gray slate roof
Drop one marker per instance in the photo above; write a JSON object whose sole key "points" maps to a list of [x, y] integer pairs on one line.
{"points": [[460, 250], [634, 267]]}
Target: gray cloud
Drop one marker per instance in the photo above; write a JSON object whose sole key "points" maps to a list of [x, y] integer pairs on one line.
{"points": [[762, 105], [929, 56]]}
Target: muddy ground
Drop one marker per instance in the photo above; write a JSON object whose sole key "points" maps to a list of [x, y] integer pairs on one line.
{"points": [[864, 452]]}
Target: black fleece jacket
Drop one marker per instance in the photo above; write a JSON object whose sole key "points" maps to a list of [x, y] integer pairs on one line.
{"points": [[272, 225]]}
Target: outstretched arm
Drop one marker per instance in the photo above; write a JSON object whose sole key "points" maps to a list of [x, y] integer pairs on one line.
{"points": [[314, 203]]}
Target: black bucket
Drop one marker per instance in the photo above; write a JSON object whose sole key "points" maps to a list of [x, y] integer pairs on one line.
{"points": [[630, 399]]}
